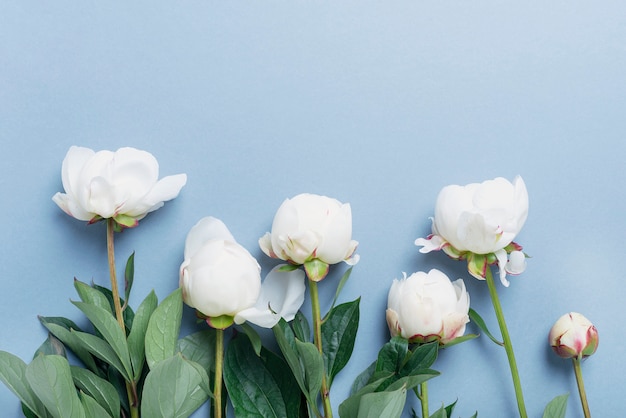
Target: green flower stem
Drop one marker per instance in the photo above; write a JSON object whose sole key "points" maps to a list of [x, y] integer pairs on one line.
{"points": [[219, 364], [114, 290], [507, 343], [130, 389], [581, 387], [317, 338], [423, 397]]}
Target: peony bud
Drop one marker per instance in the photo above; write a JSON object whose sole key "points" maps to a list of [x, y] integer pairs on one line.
{"points": [[313, 230], [122, 185], [219, 277], [573, 335], [427, 307]]}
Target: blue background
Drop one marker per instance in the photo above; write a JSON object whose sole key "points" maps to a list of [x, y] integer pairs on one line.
{"points": [[380, 104]]}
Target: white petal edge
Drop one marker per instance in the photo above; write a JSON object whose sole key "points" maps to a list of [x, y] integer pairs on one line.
{"points": [[206, 229]]}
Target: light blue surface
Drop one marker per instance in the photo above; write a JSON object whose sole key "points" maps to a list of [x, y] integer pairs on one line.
{"points": [[380, 104]]}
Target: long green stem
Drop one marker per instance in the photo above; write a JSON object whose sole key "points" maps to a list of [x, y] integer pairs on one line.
{"points": [[423, 397], [219, 364], [113, 275], [317, 338], [581, 387], [131, 391], [507, 343]]}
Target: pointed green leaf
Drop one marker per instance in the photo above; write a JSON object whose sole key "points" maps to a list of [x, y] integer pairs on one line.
{"points": [[163, 329], [137, 337], [200, 348], [313, 365], [110, 330], [252, 383], [92, 296], [382, 404], [423, 357], [12, 374], [556, 407], [301, 328], [478, 320], [253, 336], [340, 286], [338, 336], [392, 355], [440, 413], [101, 349], [92, 408], [101, 390], [173, 389], [51, 345], [51, 380], [363, 378], [127, 312], [72, 342], [129, 276]]}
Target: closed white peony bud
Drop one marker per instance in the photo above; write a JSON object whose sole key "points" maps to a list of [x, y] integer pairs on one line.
{"points": [[573, 336], [123, 185], [311, 227], [218, 277], [428, 307]]}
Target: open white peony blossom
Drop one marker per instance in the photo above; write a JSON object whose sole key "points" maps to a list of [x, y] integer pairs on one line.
{"points": [[123, 185], [482, 219], [311, 227], [428, 307], [218, 277]]}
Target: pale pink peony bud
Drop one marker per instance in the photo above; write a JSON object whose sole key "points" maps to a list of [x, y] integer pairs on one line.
{"points": [[573, 335]]}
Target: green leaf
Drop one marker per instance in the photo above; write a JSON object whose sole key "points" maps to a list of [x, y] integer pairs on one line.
{"points": [[459, 340], [382, 404], [51, 345], [287, 344], [313, 365], [101, 390], [71, 341], [92, 296], [129, 276], [340, 286], [440, 413], [349, 408], [110, 330], [127, 312], [338, 336], [92, 408], [200, 348], [253, 389], [12, 374], [51, 380], [301, 328], [101, 349], [174, 388], [363, 378], [556, 407], [478, 320], [423, 357], [137, 337], [392, 355], [255, 338], [163, 329]]}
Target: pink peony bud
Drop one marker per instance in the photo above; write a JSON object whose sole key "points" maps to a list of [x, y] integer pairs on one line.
{"points": [[573, 335]]}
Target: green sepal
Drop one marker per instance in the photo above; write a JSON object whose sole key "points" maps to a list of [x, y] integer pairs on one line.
{"points": [[288, 267], [124, 221], [316, 269], [220, 322], [477, 265]]}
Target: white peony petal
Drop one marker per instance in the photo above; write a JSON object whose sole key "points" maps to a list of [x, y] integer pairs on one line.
{"points": [[501, 256], [282, 295], [206, 229], [433, 243], [516, 263]]}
